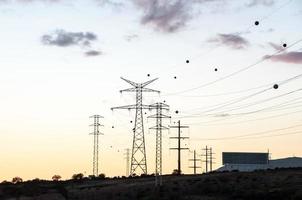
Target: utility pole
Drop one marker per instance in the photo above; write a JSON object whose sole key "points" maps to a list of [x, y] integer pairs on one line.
{"points": [[179, 148], [194, 162], [96, 132], [138, 157], [158, 147], [206, 157], [211, 159], [127, 154]]}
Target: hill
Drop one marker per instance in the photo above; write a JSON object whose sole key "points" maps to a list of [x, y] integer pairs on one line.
{"points": [[269, 185]]}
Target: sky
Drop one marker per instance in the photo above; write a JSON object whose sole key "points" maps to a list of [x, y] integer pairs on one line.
{"points": [[61, 62]]}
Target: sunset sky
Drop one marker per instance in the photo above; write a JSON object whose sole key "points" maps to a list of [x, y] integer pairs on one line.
{"points": [[61, 62]]}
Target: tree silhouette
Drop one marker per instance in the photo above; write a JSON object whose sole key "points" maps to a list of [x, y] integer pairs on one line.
{"points": [[78, 176], [56, 177], [17, 180]]}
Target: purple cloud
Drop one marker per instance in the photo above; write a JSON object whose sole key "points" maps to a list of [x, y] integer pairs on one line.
{"points": [[253, 3], [93, 53], [63, 38], [168, 16], [233, 41], [294, 57]]}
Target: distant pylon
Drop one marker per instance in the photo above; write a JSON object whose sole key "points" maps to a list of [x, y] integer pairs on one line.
{"points": [[127, 157], [158, 147], [194, 162], [138, 157], [96, 132], [179, 148]]}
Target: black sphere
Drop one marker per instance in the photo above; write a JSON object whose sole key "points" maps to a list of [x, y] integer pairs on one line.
{"points": [[130, 121], [148, 75], [256, 23], [284, 45], [276, 86], [175, 77], [216, 69], [187, 61], [176, 111]]}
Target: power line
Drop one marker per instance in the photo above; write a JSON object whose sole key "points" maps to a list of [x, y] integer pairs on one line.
{"points": [[236, 72], [238, 33], [241, 106], [245, 90], [250, 134], [245, 121]]}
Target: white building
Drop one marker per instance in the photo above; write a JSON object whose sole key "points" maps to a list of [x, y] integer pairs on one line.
{"points": [[246, 161]]}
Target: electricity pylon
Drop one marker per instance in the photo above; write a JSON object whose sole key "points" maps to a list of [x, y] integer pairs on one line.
{"points": [[138, 157], [158, 147], [96, 132], [127, 157]]}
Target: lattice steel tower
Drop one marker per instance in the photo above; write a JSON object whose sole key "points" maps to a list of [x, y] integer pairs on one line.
{"points": [[138, 157], [96, 132], [159, 127]]}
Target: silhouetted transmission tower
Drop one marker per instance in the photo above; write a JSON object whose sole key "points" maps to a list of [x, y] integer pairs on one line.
{"points": [[159, 127], [96, 132], [138, 157]]}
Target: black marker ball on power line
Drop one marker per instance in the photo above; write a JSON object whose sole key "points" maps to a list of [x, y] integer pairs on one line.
{"points": [[148, 75], [175, 77], [216, 69], [276, 86], [187, 61], [130, 121], [284, 45], [256, 23], [176, 111], [164, 101]]}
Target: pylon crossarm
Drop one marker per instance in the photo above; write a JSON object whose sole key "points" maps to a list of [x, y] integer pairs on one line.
{"points": [[148, 82], [160, 105], [96, 133], [159, 127], [129, 90], [98, 116], [160, 116], [130, 82], [149, 90], [129, 107]]}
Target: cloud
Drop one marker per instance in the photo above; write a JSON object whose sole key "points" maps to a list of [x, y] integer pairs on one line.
{"points": [[131, 37], [62, 38], [253, 3], [110, 3], [233, 41], [294, 57], [168, 16], [93, 53], [29, 1]]}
